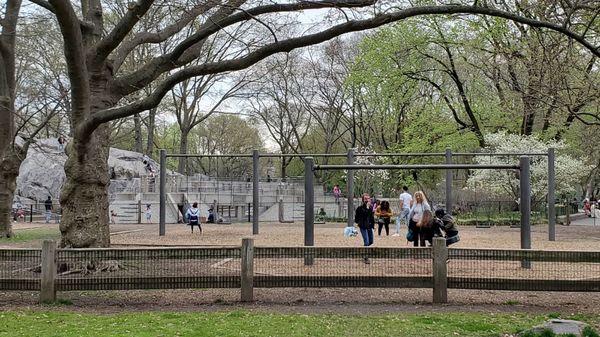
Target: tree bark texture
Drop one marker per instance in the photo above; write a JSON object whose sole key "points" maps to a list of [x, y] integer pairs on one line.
{"points": [[183, 149], [137, 126], [84, 197], [150, 126], [9, 170]]}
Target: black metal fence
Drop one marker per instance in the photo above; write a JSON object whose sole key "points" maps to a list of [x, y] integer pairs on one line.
{"points": [[269, 267]]}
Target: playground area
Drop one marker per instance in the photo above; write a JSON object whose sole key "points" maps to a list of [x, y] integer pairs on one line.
{"points": [[581, 235]]}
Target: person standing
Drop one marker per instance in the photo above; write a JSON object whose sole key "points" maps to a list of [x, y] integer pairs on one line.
{"points": [[48, 206], [419, 206], [337, 193], [193, 217], [148, 214], [406, 201], [384, 214], [365, 220]]}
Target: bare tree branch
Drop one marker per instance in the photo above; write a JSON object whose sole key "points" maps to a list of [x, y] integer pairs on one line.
{"points": [[293, 43], [45, 4], [75, 57], [116, 36]]}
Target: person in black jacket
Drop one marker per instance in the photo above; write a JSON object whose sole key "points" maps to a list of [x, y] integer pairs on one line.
{"points": [[429, 226], [366, 221]]}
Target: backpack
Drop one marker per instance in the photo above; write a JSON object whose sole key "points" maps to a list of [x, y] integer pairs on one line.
{"points": [[193, 218]]}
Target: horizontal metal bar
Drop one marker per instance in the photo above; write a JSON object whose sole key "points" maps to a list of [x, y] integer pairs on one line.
{"points": [[177, 155], [467, 154], [301, 155], [428, 154], [417, 167]]}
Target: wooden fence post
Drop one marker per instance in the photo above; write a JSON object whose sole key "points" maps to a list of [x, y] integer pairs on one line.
{"points": [[247, 277], [440, 270], [47, 283]]}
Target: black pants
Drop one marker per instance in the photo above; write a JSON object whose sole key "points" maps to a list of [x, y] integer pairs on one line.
{"points": [[386, 223], [418, 237]]}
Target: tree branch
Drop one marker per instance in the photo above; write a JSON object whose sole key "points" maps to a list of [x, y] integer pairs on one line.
{"points": [[167, 62], [75, 58], [45, 4], [293, 43], [120, 31]]}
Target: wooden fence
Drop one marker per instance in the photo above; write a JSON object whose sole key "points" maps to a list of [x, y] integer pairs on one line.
{"points": [[247, 267]]}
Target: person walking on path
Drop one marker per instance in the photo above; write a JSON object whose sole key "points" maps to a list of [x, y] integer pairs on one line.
{"points": [[406, 201], [416, 213], [384, 214], [365, 220], [48, 206]]}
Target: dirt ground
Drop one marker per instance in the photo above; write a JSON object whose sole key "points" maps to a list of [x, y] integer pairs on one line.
{"points": [[325, 300]]}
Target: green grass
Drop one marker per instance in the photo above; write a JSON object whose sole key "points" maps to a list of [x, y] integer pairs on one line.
{"points": [[244, 323], [33, 234]]}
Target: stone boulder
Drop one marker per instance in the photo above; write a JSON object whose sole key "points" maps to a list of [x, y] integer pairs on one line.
{"points": [[42, 173]]}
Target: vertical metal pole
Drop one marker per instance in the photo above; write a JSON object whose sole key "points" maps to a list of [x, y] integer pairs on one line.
{"points": [[449, 182], [255, 182], [30, 214], [525, 182], [163, 193], [551, 196], [309, 206], [350, 188]]}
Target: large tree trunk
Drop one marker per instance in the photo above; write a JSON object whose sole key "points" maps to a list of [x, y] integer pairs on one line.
{"points": [[137, 131], [9, 170], [150, 125], [183, 149], [84, 197]]}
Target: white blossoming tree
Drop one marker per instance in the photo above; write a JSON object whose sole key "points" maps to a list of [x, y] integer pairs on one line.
{"points": [[569, 171], [370, 181]]}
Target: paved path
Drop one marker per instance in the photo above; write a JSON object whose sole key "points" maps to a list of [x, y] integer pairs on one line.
{"points": [[585, 221]]}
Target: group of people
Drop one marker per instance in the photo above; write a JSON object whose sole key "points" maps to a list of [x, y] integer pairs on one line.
{"points": [[423, 224], [591, 208]]}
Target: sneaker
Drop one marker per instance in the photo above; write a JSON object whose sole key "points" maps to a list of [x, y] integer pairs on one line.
{"points": [[367, 260], [396, 234]]}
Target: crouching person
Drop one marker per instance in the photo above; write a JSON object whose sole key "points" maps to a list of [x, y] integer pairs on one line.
{"points": [[449, 226]]}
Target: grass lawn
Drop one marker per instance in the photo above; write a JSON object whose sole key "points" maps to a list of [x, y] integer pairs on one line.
{"points": [[244, 323], [33, 234]]}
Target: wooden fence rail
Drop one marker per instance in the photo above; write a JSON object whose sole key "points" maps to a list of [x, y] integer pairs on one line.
{"points": [[247, 267]]}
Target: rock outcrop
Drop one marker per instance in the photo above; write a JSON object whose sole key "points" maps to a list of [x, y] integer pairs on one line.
{"points": [[42, 172]]}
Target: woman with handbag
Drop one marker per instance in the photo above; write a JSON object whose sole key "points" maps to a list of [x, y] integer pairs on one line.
{"points": [[384, 213], [416, 213]]}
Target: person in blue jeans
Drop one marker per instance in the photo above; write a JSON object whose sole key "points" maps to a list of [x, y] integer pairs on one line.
{"points": [[365, 220], [406, 202]]}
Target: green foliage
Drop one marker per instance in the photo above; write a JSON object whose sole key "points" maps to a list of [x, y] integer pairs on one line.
{"points": [[246, 323]]}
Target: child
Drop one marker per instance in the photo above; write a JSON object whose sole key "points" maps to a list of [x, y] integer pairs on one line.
{"points": [[148, 214]]}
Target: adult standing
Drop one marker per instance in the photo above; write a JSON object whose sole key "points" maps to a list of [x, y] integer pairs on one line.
{"points": [[48, 206], [384, 214], [416, 213], [406, 202], [365, 220]]}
